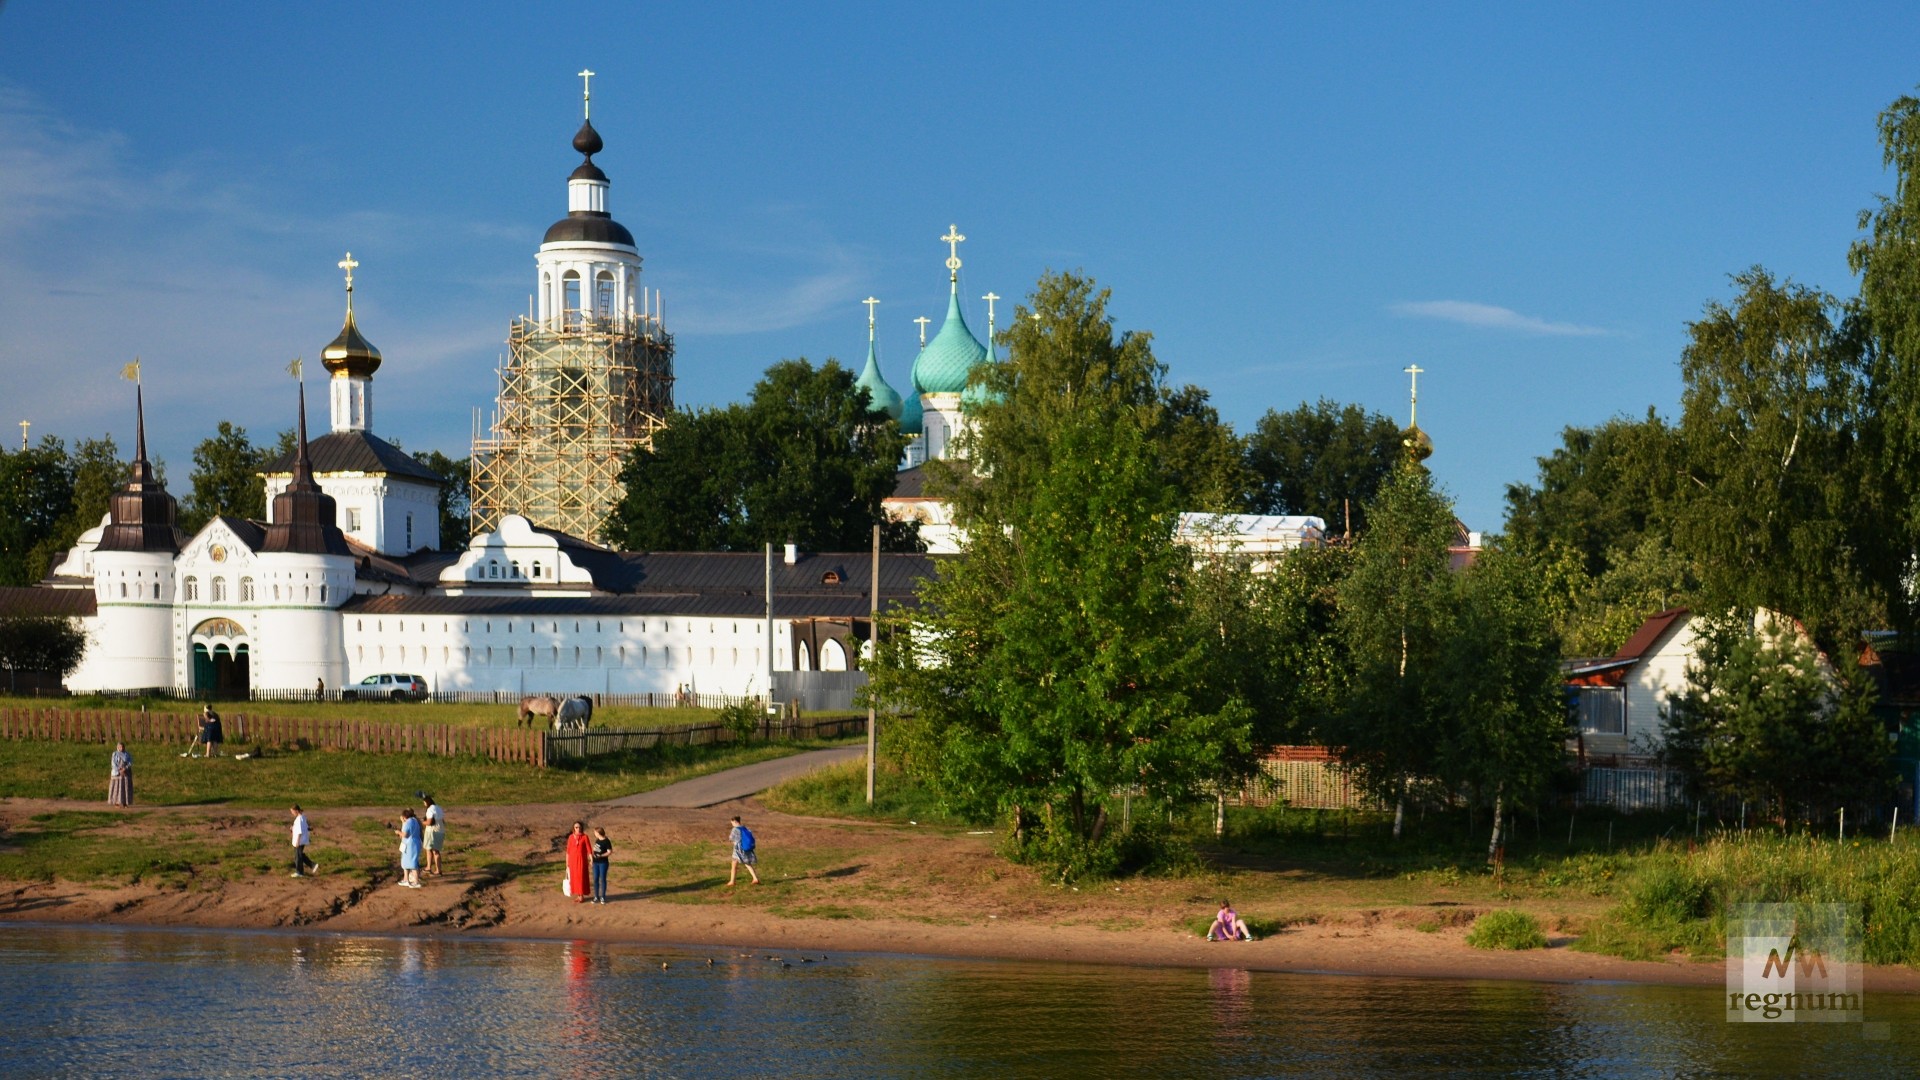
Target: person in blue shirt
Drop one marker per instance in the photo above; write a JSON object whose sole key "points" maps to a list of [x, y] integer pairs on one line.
{"points": [[409, 834]]}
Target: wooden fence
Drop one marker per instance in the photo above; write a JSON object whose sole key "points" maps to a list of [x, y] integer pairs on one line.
{"points": [[325, 733], [575, 745]]}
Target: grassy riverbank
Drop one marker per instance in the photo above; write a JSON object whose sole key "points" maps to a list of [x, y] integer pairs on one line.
{"points": [[320, 778], [397, 712]]}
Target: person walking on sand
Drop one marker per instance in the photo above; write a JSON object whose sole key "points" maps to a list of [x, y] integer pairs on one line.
{"points": [[579, 854], [409, 834], [436, 835], [302, 866], [743, 853], [602, 854], [120, 777]]}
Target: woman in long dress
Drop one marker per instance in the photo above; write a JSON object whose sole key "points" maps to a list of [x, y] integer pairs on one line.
{"points": [[409, 834], [579, 854], [120, 777]]}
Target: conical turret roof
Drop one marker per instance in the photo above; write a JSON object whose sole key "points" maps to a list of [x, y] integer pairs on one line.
{"points": [[304, 517], [141, 515]]}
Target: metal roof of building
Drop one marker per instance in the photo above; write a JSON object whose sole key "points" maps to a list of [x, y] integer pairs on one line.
{"points": [[355, 451]]}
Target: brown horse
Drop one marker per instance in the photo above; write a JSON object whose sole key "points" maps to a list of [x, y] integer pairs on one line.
{"points": [[541, 705]]}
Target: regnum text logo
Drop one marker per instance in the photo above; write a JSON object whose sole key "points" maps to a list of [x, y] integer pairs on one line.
{"points": [[1790, 963]]}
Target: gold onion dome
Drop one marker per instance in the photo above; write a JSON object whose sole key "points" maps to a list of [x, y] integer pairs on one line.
{"points": [[1419, 445], [351, 353]]}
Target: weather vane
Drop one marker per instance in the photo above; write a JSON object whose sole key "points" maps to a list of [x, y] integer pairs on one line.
{"points": [[1413, 395], [293, 368], [586, 95], [131, 372], [952, 240], [923, 321]]}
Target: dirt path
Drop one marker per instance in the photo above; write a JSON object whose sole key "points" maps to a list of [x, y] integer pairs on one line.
{"points": [[828, 886], [714, 789]]}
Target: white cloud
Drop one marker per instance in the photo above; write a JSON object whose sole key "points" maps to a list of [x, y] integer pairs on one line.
{"points": [[1491, 316]]}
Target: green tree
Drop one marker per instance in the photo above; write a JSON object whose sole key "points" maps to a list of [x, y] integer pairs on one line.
{"points": [[805, 460], [456, 496], [1887, 260], [1053, 665], [226, 479], [1765, 718], [1324, 459], [1396, 619], [39, 644], [1202, 457], [36, 493], [1774, 406], [1600, 492], [1504, 718]]}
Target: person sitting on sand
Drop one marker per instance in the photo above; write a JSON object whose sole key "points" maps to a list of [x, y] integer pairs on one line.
{"points": [[1227, 925]]}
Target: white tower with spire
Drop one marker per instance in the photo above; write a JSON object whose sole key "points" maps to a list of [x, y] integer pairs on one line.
{"points": [[589, 266], [351, 361]]}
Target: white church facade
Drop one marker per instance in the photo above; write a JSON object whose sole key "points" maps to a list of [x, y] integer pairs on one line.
{"points": [[343, 580]]}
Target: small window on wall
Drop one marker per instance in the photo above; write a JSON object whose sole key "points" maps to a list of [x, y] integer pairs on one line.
{"points": [[409, 532], [570, 295], [246, 590], [156, 590], [323, 594], [123, 590], [189, 589], [603, 294], [219, 590], [353, 519]]}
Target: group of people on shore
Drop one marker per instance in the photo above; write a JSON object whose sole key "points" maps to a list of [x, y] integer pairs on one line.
{"points": [[120, 764], [590, 855], [421, 835]]}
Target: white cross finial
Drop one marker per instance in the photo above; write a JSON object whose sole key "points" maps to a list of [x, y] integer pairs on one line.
{"points": [[1413, 394], [952, 240], [586, 94], [990, 298], [871, 304], [923, 321], [348, 265], [24, 425]]}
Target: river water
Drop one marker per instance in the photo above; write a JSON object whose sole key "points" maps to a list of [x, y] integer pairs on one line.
{"points": [[123, 1002]]}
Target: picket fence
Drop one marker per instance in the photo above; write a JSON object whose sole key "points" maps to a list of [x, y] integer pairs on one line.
{"points": [[572, 745], [326, 733]]}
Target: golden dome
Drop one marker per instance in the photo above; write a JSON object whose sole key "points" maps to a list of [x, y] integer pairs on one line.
{"points": [[351, 353]]}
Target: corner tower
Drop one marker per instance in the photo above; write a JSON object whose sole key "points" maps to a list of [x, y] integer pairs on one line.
{"points": [[589, 370], [133, 576]]}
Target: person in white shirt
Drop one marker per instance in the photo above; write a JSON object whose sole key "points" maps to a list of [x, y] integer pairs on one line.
{"points": [[301, 835], [436, 824]]}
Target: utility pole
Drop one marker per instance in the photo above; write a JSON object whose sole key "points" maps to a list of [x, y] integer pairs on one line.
{"points": [[873, 653]]}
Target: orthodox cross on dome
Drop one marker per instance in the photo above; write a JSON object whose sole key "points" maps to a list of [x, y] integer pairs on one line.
{"points": [[952, 240], [24, 425], [348, 264], [923, 321], [586, 94], [1413, 394], [871, 303], [990, 298]]}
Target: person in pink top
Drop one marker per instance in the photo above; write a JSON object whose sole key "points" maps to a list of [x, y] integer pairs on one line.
{"points": [[1227, 926]]}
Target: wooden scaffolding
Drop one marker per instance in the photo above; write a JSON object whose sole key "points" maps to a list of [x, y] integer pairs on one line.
{"points": [[576, 396]]}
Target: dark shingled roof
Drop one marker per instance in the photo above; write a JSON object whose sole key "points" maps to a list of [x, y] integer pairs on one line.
{"points": [[356, 451], [26, 600], [910, 483], [251, 533]]}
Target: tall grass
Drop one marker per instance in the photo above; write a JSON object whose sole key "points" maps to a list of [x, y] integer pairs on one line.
{"points": [[1679, 899]]}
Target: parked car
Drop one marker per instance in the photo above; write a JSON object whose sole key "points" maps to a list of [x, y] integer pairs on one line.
{"points": [[397, 687]]}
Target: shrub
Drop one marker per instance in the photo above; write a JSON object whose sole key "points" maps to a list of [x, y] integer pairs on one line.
{"points": [[1506, 929]]}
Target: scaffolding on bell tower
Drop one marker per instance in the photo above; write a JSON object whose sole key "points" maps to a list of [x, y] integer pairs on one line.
{"points": [[577, 395]]}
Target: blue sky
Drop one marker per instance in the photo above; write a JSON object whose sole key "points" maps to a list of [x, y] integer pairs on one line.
{"points": [[1298, 202]]}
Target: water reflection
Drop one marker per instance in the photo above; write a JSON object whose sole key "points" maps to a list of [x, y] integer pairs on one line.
{"points": [[119, 1003]]}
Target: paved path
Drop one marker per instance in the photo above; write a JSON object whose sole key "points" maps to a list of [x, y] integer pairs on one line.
{"points": [[741, 782]]}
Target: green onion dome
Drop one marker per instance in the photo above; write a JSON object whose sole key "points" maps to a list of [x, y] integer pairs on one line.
{"points": [[942, 367], [880, 396], [912, 415]]}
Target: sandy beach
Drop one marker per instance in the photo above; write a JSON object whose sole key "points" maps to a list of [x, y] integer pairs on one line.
{"points": [[829, 886]]}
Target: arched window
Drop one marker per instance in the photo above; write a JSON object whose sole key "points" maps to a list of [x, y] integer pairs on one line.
{"points": [[806, 657], [123, 590], [603, 294], [246, 590], [570, 296], [833, 656], [156, 590], [323, 594], [189, 589], [219, 590]]}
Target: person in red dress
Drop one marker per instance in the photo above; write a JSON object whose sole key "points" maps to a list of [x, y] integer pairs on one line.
{"points": [[579, 854]]}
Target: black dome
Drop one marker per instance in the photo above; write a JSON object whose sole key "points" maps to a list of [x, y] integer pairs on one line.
{"points": [[588, 227], [587, 140], [588, 171]]}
